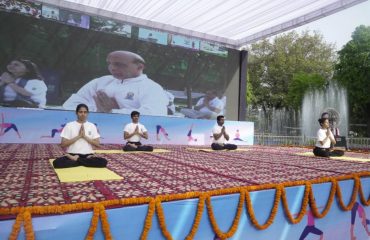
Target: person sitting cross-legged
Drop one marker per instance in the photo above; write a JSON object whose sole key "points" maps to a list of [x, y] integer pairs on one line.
{"points": [[133, 132], [324, 138], [79, 137], [220, 136]]}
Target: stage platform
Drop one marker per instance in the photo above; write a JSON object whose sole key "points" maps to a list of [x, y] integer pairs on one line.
{"points": [[30, 187]]}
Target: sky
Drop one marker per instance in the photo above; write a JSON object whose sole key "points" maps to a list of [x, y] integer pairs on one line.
{"points": [[338, 27]]}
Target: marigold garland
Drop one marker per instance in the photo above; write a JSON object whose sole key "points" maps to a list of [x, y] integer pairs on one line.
{"points": [[362, 196], [330, 201], [353, 196], [198, 217], [94, 223], [273, 213], [161, 219], [148, 219], [16, 227], [304, 204], [234, 225], [154, 205], [27, 221], [99, 211], [105, 223]]}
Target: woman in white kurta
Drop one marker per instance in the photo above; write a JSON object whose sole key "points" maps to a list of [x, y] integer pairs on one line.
{"points": [[22, 85], [324, 138], [79, 137]]}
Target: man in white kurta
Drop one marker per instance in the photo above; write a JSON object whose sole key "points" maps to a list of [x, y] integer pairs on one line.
{"points": [[220, 136], [133, 132], [127, 89], [208, 107]]}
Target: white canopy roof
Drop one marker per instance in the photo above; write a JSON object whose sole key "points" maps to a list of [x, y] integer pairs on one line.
{"points": [[234, 23]]}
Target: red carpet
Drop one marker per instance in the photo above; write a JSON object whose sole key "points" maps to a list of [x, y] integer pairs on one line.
{"points": [[27, 178]]}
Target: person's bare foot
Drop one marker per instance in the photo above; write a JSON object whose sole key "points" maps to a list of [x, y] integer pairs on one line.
{"points": [[132, 145]]}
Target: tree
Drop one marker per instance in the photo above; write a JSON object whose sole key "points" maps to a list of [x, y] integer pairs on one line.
{"points": [[300, 83], [274, 64], [249, 92], [353, 71]]}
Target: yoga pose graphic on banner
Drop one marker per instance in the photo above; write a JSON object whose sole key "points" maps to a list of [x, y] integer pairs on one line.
{"points": [[237, 136], [5, 127], [160, 130], [190, 137], [310, 228], [55, 131], [357, 208]]}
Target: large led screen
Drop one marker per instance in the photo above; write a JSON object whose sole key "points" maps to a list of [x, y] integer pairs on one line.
{"points": [[57, 59]]}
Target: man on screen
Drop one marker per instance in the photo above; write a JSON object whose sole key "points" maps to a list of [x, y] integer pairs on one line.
{"points": [[208, 107], [127, 89]]}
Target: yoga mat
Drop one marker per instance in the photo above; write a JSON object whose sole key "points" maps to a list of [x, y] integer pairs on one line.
{"points": [[81, 173]]}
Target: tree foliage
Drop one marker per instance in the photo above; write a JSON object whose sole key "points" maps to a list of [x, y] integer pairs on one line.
{"points": [[300, 83], [279, 68], [353, 71]]}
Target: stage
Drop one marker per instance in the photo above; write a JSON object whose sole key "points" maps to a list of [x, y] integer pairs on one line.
{"points": [[215, 189]]}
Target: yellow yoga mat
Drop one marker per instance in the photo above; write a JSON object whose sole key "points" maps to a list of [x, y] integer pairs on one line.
{"points": [[121, 151], [81, 173], [343, 158], [211, 150]]}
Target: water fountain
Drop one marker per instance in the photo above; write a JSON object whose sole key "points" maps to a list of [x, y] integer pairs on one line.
{"points": [[285, 122], [333, 99], [276, 121]]}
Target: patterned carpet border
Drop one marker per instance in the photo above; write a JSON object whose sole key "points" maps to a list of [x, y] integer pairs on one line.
{"points": [[30, 187], [24, 214]]}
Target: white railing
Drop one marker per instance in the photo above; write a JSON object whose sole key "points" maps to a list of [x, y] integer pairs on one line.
{"points": [[266, 139], [360, 143]]}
